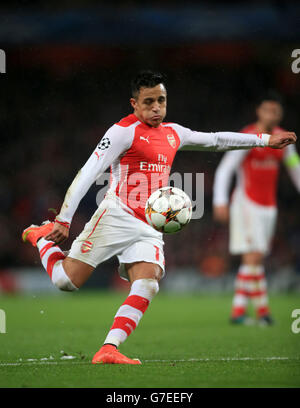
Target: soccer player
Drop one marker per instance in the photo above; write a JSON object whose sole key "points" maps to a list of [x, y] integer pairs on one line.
{"points": [[253, 210], [139, 150]]}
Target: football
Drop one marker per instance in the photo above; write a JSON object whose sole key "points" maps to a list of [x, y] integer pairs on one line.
{"points": [[168, 209]]}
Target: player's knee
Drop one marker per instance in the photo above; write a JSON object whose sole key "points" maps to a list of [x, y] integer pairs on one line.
{"points": [[65, 284], [153, 286], [147, 288], [77, 272], [253, 258], [61, 280]]}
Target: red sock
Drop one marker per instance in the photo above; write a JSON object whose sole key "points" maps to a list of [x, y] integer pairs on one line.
{"points": [[50, 254]]}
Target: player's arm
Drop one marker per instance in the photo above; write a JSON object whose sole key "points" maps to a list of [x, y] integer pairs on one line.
{"points": [[112, 145], [222, 141], [227, 167], [291, 160]]}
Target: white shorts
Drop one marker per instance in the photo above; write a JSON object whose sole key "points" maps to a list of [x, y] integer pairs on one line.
{"points": [[251, 225], [113, 231]]}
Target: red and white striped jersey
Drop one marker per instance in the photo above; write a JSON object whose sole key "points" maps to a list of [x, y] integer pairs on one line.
{"points": [[257, 171], [140, 159]]}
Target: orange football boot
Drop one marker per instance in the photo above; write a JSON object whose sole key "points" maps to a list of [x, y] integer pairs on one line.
{"points": [[35, 232], [109, 354]]}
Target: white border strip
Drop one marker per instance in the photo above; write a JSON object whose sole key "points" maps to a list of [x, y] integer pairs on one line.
{"points": [[190, 360]]}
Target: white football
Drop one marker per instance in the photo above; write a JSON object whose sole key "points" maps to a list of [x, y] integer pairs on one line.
{"points": [[168, 209]]}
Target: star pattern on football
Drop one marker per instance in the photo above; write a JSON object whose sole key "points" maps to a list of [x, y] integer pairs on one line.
{"points": [[168, 209]]}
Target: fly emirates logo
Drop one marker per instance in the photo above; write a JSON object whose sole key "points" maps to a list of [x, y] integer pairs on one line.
{"points": [[267, 164], [160, 166]]}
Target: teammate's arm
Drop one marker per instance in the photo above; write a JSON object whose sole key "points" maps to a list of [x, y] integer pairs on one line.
{"points": [[227, 167], [112, 145], [291, 160], [222, 141]]}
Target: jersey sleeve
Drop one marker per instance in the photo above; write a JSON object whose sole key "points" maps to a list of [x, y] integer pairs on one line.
{"points": [[291, 160], [115, 142], [228, 165], [218, 141]]}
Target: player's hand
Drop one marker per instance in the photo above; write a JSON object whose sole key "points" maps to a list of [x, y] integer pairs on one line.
{"points": [[58, 234], [221, 213], [282, 139]]}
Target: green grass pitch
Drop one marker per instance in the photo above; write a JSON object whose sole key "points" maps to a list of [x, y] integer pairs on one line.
{"points": [[182, 341]]}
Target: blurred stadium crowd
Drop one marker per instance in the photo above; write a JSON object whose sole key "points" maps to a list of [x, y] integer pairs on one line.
{"points": [[58, 121], [57, 102]]}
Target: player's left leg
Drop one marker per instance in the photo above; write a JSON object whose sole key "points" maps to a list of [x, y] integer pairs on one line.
{"points": [[239, 232], [144, 278], [66, 273]]}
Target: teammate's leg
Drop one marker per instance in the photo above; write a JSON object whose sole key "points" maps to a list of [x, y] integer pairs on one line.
{"points": [[240, 297], [251, 232], [239, 233], [257, 286], [144, 278], [251, 285], [66, 273]]}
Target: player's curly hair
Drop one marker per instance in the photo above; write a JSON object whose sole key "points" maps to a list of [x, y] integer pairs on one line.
{"points": [[146, 79]]}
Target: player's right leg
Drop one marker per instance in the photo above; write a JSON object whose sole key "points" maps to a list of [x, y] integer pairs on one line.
{"points": [[66, 273], [239, 243], [257, 286], [144, 278], [245, 285]]}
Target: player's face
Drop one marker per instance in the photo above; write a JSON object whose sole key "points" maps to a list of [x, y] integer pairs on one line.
{"points": [[269, 113], [150, 106]]}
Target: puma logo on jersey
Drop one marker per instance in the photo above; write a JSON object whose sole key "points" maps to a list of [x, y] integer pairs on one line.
{"points": [[145, 138]]}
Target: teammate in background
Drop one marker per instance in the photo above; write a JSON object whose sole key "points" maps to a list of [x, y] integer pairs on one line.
{"points": [[253, 208], [139, 150]]}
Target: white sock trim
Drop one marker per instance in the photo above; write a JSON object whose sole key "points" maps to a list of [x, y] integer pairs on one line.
{"points": [[245, 270], [43, 242], [116, 337], [146, 288], [130, 312], [60, 279]]}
